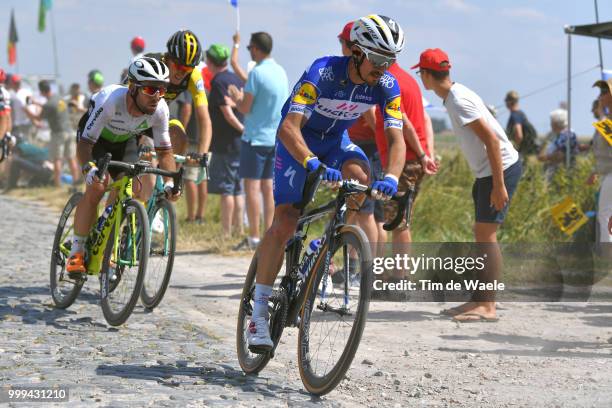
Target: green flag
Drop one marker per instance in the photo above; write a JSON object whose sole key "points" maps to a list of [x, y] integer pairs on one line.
{"points": [[45, 5]]}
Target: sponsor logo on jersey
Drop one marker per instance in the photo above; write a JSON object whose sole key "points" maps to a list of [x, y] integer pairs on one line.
{"points": [[394, 108], [95, 117], [326, 73], [290, 173], [143, 126], [306, 95], [387, 81], [340, 94], [339, 109], [361, 97], [200, 85]]}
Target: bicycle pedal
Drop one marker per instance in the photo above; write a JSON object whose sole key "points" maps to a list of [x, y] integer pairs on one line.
{"points": [[260, 349]]}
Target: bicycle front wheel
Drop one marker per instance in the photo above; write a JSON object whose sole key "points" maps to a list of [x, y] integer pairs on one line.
{"points": [[333, 317], [251, 363], [64, 290], [124, 264], [161, 255]]}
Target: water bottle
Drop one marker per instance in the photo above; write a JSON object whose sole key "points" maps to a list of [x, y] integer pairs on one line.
{"points": [[312, 247], [104, 217]]}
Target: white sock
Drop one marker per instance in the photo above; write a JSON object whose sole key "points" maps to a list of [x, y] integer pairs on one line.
{"points": [[262, 294], [253, 240], [78, 244]]}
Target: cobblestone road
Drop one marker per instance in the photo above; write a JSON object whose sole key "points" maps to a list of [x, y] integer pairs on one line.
{"points": [[183, 353]]}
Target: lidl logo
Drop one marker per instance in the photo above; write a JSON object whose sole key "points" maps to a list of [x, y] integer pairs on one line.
{"points": [[394, 108], [306, 95]]}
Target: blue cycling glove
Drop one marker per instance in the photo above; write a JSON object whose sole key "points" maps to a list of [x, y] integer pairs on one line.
{"points": [[331, 175], [387, 186]]}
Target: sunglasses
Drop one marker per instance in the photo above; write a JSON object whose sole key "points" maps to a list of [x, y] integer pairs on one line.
{"points": [[150, 90], [180, 67], [378, 60]]}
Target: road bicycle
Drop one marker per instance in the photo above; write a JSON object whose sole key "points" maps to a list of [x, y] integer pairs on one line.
{"points": [[163, 230], [117, 247], [330, 317]]}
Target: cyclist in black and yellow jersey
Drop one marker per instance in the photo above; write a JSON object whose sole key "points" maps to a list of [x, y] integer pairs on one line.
{"points": [[183, 54]]}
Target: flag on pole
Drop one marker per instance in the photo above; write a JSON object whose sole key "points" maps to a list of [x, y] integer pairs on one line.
{"points": [[12, 41], [234, 4], [45, 5]]}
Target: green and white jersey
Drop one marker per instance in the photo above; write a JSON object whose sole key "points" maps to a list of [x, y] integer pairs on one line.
{"points": [[108, 118]]}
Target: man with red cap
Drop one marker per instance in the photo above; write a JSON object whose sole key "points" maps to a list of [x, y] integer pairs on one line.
{"points": [[362, 133], [493, 160], [138, 46]]}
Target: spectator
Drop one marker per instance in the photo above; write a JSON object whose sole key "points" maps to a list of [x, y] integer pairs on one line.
{"points": [[493, 160], [76, 105], [519, 129], [603, 167], [362, 133], [554, 152], [31, 162], [137, 46], [95, 82], [261, 101], [5, 106], [20, 99], [62, 144], [418, 159], [227, 130]]}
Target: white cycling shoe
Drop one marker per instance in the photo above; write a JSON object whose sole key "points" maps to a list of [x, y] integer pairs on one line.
{"points": [[258, 336]]}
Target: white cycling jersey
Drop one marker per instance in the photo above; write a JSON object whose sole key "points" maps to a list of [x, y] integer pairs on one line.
{"points": [[108, 118]]}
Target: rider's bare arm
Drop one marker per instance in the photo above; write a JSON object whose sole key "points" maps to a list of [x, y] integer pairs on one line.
{"points": [[290, 135], [83, 152], [397, 151]]}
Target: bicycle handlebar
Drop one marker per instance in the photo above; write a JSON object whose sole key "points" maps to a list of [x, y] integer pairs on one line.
{"points": [[314, 179], [140, 167], [201, 161]]}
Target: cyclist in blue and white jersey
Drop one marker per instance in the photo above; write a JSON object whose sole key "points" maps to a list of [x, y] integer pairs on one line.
{"points": [[329, 97]]}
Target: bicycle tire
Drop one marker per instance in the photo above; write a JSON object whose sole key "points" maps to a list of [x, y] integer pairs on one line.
{"points": [[63, 301], [150, 300], [320, 385], [117, 318], [250, 363]]}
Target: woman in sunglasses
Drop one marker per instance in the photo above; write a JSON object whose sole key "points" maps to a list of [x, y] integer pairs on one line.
{"points": [[116, 115]]}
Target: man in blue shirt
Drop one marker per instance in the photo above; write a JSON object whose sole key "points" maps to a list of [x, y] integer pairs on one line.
{"points": [[265, 92], [329, 97]]}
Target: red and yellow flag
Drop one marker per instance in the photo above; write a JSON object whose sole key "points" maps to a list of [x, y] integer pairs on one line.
{"points": [[12, 41]]}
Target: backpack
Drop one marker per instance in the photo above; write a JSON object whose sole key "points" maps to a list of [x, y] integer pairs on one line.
{"points": [[530, 135]]}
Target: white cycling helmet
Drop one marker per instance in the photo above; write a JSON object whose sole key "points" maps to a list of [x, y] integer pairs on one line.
{"points": [[147, 69], [378, 33]]}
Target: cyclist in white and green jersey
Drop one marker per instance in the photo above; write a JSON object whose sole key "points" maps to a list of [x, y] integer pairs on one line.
{"points": [[116, 115]]}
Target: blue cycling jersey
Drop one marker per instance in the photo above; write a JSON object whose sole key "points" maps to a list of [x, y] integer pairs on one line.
{"points": [[331, 102]]}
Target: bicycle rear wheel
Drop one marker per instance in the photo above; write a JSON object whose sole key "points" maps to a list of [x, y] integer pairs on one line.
{"points": [[123, 275], [332, 321], [161, 255], [64, 290]]}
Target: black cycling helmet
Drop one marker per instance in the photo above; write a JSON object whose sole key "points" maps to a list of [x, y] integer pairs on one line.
{"points": [[185, 47]]}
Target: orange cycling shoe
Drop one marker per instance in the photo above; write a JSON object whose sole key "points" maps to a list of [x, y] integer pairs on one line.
{"points": [[75, 265]]}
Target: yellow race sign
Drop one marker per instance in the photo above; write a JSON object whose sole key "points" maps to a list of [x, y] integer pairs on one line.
{"points": [[604, 127], [568, 216]]}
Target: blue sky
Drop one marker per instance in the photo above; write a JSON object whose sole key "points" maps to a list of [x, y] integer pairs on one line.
{"points": [[494, 45]]}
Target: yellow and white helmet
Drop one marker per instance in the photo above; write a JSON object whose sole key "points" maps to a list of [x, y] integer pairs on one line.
{"points": [[378, 33]]}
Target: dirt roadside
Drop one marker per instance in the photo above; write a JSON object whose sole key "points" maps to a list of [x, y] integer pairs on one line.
{"points": [[555, 354]]}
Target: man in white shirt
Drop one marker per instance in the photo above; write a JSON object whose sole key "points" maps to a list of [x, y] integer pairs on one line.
{"points": [[492, 159], [20, 99]]}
